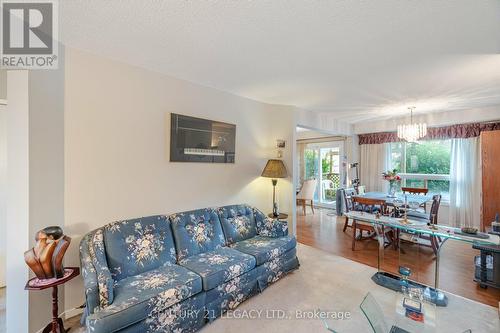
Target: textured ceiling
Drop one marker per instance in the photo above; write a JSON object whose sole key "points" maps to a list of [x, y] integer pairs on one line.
{"points": [[359, 59]]}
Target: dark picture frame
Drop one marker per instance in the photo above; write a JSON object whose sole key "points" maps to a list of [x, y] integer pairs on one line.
{"points": [[201, 140]]}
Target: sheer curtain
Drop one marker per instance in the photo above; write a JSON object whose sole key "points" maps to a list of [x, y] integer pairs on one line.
{"points": [[375, 159], [465, 182]]}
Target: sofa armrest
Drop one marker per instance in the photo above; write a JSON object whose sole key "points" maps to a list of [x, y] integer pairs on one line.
{"points": [[89, 275], [100, 277], [269, 227]]}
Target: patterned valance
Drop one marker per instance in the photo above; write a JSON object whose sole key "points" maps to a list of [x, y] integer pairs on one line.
{"points": [[460, 131]]}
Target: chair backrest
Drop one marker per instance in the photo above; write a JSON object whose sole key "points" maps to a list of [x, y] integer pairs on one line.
{"points": [[433, 214], [368, 204], [307, 190], [348, 193], [415, 190]]}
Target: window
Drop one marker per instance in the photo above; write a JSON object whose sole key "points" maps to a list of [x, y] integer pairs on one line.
{"points": [[423, 164]]}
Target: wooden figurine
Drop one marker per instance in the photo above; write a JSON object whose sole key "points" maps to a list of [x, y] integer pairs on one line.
{"points": [[45, 258]]}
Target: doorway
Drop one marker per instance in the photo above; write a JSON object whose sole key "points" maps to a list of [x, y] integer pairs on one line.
{"points": [[323, 161]]}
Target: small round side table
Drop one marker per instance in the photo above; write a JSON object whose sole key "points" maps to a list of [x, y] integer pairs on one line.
{"points": [[282, 216], [56, 325]]}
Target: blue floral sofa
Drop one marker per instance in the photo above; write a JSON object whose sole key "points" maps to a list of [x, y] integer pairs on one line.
{"points": [[176, 273]]}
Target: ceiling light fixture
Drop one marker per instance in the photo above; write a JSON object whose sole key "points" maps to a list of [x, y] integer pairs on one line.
{"points": [[412, 132]]}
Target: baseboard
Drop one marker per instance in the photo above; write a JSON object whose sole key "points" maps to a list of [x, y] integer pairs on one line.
{"points": [[72, 313]]}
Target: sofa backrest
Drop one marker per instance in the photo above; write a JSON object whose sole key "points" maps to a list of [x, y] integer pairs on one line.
{"points": [[238, 223], [138, 245], [196, 231]]}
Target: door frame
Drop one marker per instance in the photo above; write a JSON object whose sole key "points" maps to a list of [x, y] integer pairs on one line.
{"points": [[323, 145]]}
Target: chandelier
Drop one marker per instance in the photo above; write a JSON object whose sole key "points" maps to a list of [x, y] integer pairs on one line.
{"points": [[412, 132]]}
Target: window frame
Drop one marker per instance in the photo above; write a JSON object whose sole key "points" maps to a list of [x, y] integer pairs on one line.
{"points": [[425, 177]]}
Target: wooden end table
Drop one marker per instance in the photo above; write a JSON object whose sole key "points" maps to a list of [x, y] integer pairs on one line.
{"points": [[282, 216], [56, 325]]}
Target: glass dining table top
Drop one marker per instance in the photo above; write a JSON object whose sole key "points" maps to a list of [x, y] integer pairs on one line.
{"points": [[415, 226], [420, 199]]}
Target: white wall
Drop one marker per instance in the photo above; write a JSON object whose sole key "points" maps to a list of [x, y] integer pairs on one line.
{"points": [[116, 151], [46, 169], [311, 134], [35, 175], [323, 122], [17, 201], [3, 84], [3, 191]]}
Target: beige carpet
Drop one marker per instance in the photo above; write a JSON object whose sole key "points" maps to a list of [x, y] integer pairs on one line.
{"points": [[336, 284]]}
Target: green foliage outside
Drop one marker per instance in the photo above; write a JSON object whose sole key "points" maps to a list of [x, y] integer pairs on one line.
{"points": [[311, 171], [310, 163], [425, 157]]}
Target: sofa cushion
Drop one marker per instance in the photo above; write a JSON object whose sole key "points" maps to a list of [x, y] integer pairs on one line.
{"points": [[237, 222], [265, 248], [137, 297], [138, 245], [196, 232], [219, 266]]}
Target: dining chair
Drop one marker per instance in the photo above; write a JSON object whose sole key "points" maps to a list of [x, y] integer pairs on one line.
{"points": [[370, 206], [306, 194], [347, 195], [431, 217], [417, 191]]}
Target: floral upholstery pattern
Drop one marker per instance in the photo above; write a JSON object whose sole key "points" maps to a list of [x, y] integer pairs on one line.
{"points": [[186, 317], [138, 245], [265, 249], [238, 223], [219, 266], [231, 294], [89, 275], [196, 232], [275, 269], [159, 274], [145, 296], [104, 280], [269, 227]]}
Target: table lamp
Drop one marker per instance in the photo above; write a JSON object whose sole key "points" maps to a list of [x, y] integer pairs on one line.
{"points": [[275, 169]]}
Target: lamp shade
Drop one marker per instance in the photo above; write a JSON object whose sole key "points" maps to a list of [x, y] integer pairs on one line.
{"points": [[275, 169]]}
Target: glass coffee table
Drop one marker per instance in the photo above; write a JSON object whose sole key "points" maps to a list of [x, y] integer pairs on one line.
{"points": [[388, 313], [406, 315]]}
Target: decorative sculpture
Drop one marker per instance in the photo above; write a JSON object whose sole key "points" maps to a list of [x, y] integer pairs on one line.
{"points": [[45, 259]]}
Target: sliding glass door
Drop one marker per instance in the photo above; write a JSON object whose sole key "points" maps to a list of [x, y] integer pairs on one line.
{"points": [[322, 161]]}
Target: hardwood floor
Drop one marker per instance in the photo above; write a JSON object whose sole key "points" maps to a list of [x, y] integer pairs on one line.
{"points": [[456, 267]]}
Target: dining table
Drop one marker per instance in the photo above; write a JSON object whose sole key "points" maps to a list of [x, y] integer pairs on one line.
{"points": [[389, 200]]}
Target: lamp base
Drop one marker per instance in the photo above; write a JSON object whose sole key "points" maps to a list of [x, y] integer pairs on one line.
{"points": [[276, 212], [275, 204]]}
